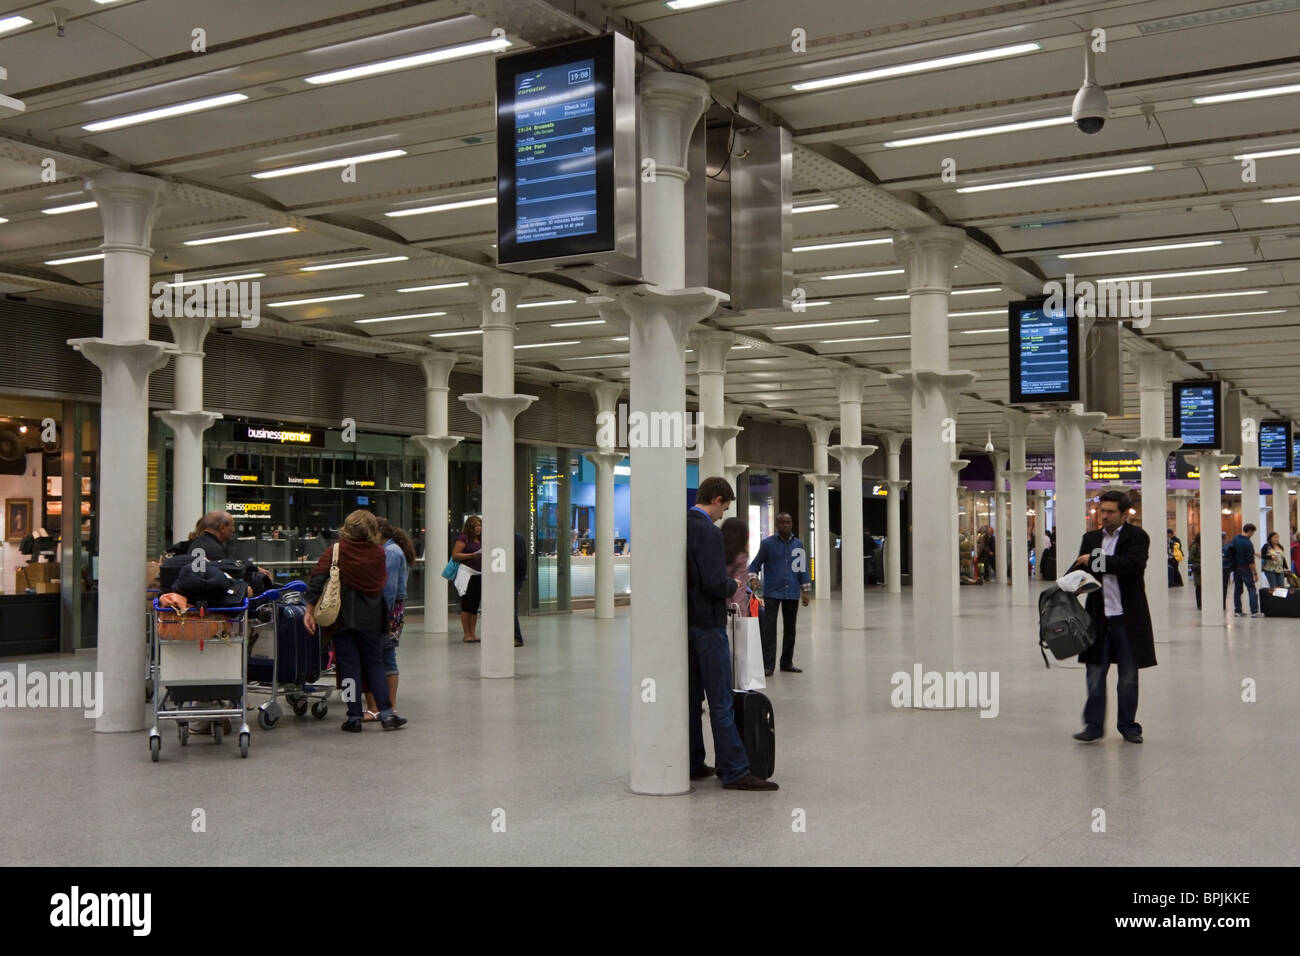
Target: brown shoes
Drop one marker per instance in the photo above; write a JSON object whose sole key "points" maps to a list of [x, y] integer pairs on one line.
{"points": [[750, 782]]}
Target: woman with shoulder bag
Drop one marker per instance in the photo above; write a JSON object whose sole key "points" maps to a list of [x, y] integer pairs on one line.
{"points": [[1274, 561], [357, 613], [468, 550]]}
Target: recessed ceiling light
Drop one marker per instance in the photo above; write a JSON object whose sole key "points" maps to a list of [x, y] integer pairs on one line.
{"points": [[919, 66], [981, 131], [1046, 180], [1174, 275], [75, 207], [329, 164], [410, 62], [547, 345], [1129, 250], [319, 298], [235, 278], [177, 109], [440, 285], [1220, 315], [352, 265], [842, 245], [1246, 94], [816, 207], [868, 338], [398, 318], [235, 237], [822, 325], [566, 325], [71, 259], [445, 335], [441, 207], [13, 23], [545, 303], [864, 275]]}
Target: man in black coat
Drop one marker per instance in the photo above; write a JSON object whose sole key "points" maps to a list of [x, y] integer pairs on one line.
{"points": [[1116, 555], [521, 574], [708, 587]]}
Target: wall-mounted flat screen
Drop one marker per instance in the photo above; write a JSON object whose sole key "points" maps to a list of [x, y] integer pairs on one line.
{"points": [[1198, 414], [1044, 353], [567, 168], [1115, 466], [1275, 445]]}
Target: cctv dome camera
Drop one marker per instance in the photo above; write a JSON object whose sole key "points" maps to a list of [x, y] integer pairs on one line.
{"points": [[1091, 107]]}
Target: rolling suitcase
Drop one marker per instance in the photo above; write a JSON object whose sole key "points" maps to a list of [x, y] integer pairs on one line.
{"points": [[755, 721], [298, 651]]}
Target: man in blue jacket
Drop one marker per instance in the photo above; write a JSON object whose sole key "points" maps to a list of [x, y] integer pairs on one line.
{"points": [[783, 561], [707, 589], [1242, 551]]}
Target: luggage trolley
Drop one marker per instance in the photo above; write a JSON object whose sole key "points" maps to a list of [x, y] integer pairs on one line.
{"points": [[199, 656], [284, 658]]}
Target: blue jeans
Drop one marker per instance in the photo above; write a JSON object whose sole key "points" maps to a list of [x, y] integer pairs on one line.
{"points": [[1244, 576], [1275, 579], [355, 650], [1114, 637], [710, 676]]}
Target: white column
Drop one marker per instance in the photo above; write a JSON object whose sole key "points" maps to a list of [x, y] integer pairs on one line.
{"points": [[671, 106], [711, 350], [604, 459], [1250, 473], [1001, 477], [731, 470], [188, 421], [1211, 531], [1155, 449], [1281, 485], [1018, 428], [128, 207], [893, 513], [821, 479], [850, 451], [1181, 497], [1071, 519], [437, 445], [498, 406]]}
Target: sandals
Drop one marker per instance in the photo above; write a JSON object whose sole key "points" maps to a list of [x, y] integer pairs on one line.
{"points": [[469, 640], [370, 717]]}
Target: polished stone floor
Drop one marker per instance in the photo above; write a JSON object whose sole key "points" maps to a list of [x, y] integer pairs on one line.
{"points": [[1216, 782]]}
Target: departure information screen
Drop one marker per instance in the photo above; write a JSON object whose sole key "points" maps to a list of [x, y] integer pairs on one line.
{"points": [[1044, 354], [1197, 414], [1275, 445], [555, 152]]}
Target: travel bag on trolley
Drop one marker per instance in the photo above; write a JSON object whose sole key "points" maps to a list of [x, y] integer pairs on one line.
{"points": [[200, 668], [285, 658]]}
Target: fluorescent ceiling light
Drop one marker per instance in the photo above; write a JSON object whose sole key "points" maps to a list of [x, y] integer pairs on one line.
{"points": [[313, 301], [189, 282], [441, 207], [981, 131], [351, 265], [547, 345], [1046, 180], [588, 358], [566, 325], [1220, 315], [71, 259], [985, 289], [329, 164], [739, 348], [1269, 154], [3, 219], [1246, 94], [398, 318], [981, 331], [1133, 249], [177, 109], [842, 245], [409, 62], [543, 304], [75, 207], [1282, 199], [1175, 275], [965, 315], [822, 325], [13, 23], [919, 66], [817, 207], [690, 4], [440, 285], [621, 338], [444, 335], [864, 275], [234, 237], [869, 338], [1203, 295], [813, 305]]}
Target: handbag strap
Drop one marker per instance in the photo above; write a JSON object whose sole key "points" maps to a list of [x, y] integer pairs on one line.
{"points": [[334, 559]]}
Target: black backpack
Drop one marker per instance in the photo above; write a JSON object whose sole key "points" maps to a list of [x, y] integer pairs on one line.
{"points": [[1064, 628], [211, 585]]}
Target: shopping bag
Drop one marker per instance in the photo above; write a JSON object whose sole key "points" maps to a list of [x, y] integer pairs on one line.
{"points": [[463, 576], [747, 654], [451, 569]]}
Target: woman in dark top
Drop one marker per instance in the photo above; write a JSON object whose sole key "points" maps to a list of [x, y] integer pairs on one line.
{"points": [[363, 619], [1274, 561], [468, 550]]}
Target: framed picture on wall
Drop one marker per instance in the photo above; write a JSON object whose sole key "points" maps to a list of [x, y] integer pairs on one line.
{"points": [[18, 518]]}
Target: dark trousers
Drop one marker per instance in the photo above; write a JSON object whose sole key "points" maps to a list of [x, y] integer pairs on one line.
{"points": [[767, 628], [357, 652], [1244, 575], [710, 676], [1117, 651], [1197, 576], [519, 635]]}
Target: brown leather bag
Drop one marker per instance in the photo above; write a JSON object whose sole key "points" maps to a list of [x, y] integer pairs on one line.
{"points": [[191, 626]]}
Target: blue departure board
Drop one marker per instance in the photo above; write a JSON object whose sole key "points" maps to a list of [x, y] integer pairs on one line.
{"points": [[1044, 353], [555, 152], [1275, 445], [1197, 414]]}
